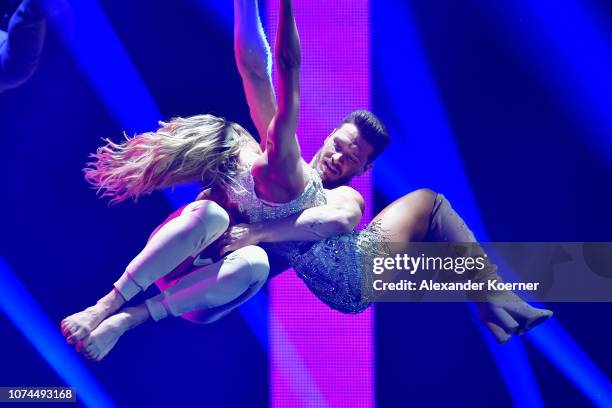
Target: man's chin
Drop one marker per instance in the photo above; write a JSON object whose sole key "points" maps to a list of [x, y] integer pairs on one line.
{"points": [[330, 183], [324, 173]]}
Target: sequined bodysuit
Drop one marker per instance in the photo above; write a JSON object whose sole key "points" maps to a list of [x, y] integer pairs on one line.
{"points": [[254, 209], [331, 268]]}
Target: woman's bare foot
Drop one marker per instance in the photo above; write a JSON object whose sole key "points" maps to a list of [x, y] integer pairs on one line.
{"points": [[75, 327], [104, 337]]}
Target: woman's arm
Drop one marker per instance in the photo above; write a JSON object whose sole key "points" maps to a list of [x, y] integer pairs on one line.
{"points": [[253, 59], [281, 162], [342, 213]]}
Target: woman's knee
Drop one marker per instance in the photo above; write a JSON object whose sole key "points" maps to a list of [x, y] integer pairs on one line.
{"points": [[422, 201], [425, 194], [209, 212], [210, 216], [257, 259]]}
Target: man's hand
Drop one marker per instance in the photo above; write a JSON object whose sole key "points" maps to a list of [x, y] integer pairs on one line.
{"points": [[238, 236]]}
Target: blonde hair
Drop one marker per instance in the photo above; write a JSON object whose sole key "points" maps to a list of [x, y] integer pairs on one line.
{"points": [[202, 148]]}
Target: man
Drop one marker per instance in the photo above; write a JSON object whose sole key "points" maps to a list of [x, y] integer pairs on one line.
{"points": [[347, 152]]}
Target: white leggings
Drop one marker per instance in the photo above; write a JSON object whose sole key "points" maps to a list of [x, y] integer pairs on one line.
{"points": [[206, 293]]}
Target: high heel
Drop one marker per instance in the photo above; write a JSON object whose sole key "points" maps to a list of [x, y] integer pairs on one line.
{"points": [[503, 313], [497, 321]]}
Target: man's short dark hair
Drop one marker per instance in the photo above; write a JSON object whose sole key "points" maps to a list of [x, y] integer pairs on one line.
{"points": [[371, 129]]}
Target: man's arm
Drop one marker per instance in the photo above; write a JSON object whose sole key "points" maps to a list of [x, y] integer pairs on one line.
{"points": [[254, 61], [342, 213]]}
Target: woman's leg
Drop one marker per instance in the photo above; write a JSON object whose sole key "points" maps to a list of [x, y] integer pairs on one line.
{"points": [[103, 338], [502, 312], [198, 225], [407, 218], [204, 295], [424, 215], [214, 286]]}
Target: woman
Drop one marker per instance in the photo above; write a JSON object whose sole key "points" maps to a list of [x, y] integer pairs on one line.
{"points": [[336, 269], [274, 183]]}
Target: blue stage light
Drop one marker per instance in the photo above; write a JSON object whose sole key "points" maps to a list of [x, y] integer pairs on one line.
{"points": [[221, 11], [510, 359], [567, 44], [424, 153], [556, 344], [21, 308], [99, 52]]}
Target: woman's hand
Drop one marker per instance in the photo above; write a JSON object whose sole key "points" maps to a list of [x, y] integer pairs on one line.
{"points": [[238, 236]]}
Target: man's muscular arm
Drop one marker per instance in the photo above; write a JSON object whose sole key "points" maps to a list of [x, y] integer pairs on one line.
{"points": [[340, 215]]}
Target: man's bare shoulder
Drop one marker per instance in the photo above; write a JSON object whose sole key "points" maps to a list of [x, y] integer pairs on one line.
{"points": [[344, 194]]}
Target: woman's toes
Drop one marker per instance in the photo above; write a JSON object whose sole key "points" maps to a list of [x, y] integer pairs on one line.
{"points": [[91, 352], [74, 337], [90, 349], [66, 328], [81, 345], [89, 356]]}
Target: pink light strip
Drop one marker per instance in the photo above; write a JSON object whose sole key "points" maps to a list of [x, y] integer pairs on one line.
{"points": [[320, 357]]}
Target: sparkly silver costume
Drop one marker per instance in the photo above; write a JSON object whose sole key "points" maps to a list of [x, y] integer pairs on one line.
{"points": [[332, 268], [257, 210]]}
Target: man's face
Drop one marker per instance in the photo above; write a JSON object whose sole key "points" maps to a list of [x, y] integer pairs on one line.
{"points": [[343, 156]]}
